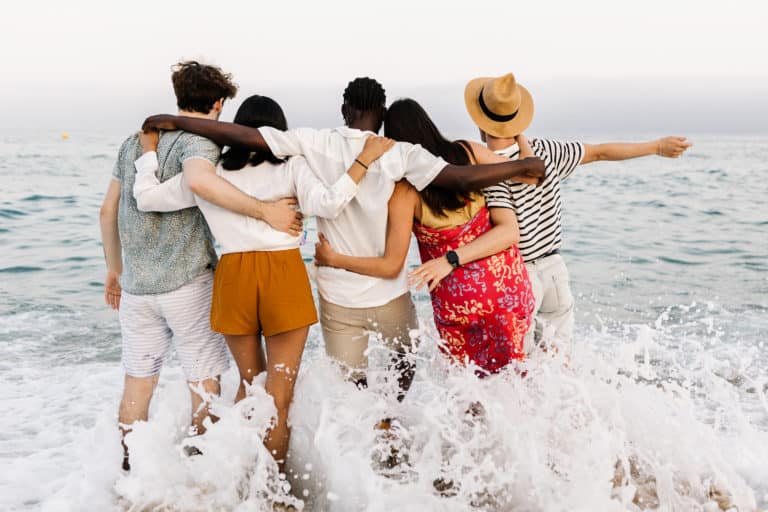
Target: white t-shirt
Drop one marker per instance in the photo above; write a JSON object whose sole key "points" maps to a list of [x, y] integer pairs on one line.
{"points": [[267, 182], [361, 228]]}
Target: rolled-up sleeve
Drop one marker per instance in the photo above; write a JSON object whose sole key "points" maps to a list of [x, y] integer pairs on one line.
{"points": [[420, 167], [153, 196], [315, 198]]}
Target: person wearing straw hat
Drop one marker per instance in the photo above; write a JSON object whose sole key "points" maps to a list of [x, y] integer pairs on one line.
{"points": [[503, 109]]}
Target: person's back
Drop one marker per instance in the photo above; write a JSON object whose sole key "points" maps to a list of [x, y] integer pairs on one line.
{"points": [[235, 232], [160, 265], [360, 229], [162, 251]]}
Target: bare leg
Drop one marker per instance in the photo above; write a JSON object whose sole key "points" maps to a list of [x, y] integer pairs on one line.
{"points": [[134, 406], [249, 358], [284, 352], [199, 405]]}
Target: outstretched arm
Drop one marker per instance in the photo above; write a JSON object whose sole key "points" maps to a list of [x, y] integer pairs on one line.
{"points": [[504, 234], [223, 134], [402, 206], [475, 177], [670, 147]]}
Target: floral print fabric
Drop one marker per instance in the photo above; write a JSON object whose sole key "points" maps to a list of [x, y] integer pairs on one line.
{"points": [[482, 309]]}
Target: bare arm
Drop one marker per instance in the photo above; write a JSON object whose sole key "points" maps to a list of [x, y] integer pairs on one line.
{"points": [[504, 234], [110, 240], [475, 177], [402, 206], [223, 134], [670, 147]]}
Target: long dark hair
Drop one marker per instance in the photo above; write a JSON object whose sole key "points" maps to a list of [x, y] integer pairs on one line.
{"points": [[256, 111], [407, 121]]}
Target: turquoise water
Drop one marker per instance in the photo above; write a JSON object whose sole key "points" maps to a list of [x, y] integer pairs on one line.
{"points": [[674, 248]]}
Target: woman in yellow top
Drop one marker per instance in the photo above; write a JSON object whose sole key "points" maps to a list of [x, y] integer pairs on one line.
{"points": [[481, 294]]}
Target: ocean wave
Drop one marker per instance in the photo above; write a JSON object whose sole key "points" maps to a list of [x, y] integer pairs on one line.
{"points": [[20, 269], [628, 424]]}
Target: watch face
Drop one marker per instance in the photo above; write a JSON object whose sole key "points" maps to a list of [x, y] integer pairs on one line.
{"points": [[452, 258]]}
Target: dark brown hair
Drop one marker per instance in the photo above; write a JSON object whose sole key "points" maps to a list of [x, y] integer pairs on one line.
{"points": [[407, 121], [199, 86]]}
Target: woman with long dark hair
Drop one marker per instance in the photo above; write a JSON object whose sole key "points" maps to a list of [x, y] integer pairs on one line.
{"points": [[481, 294], [261, 284]]}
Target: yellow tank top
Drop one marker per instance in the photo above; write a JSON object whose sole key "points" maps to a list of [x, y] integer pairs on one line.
{"points": [[453, 218]]}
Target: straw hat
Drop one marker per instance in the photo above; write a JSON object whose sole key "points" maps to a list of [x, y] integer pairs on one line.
{"points": [[499, 106]]}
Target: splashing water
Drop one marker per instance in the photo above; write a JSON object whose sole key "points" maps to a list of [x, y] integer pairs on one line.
{"points": [[663, 405], [644, 423]]}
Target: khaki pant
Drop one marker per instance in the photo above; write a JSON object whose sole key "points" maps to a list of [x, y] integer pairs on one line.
{"points": [[346, 330], [553, 317]]}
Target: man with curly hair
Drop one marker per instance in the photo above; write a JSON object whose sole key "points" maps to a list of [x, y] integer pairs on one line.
{"points": [[160, 265]]}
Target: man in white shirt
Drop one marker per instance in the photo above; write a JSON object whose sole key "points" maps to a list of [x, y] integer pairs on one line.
{"points": [[503, 109], [353, 305]]}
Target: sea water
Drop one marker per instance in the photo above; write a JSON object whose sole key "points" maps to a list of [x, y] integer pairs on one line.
{"points": [[662, 405]]}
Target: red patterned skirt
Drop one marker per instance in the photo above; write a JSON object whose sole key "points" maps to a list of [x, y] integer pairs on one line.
{"points": [[482, 309]]}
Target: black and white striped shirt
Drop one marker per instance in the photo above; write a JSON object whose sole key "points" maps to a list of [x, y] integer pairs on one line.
{"points": [[538, 208]]}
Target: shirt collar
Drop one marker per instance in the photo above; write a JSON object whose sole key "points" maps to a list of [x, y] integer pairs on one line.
{"points": [[509, 150]]}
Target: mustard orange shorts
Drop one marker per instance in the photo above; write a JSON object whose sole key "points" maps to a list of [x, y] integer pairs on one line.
{"points": [[261, 291]]}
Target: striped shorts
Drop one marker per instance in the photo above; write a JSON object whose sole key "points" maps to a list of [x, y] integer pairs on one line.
{"points": [[150, 322]]}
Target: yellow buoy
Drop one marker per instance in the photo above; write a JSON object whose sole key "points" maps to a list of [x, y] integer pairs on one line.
{"points": [[64, 135]]}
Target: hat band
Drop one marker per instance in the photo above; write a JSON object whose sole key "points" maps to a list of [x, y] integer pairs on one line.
{"points": [[492, 115]]}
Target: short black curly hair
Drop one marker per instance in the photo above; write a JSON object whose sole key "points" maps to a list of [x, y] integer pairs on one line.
{"points": [[365, 94], [198, 86]]}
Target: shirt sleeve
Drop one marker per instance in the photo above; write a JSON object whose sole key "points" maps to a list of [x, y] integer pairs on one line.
{"points": [[499, 196], [315, 198], [564, 156], [153, 196], [288, 143], [199, 147], [117, 169], [418, 165]]}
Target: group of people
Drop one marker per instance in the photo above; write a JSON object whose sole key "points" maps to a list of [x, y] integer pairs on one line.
{"points": [[487, 219]]}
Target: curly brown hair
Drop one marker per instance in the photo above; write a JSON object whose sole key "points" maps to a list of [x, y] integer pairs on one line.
{"points": [[199, 86]]}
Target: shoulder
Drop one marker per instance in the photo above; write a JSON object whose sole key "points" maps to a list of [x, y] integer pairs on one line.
{"points": [[129, 150], [192, 145], [192, 140], [554, 147], [309, 134], [129, 143]]}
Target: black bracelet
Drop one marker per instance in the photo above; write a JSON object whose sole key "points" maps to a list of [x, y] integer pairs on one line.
{"points": [[361, 163]]}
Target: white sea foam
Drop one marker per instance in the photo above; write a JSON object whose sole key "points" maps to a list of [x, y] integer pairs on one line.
{"points": [[681, 430]]}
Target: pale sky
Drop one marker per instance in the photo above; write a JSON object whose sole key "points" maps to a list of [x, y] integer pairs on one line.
{"points": [[93, 59]]}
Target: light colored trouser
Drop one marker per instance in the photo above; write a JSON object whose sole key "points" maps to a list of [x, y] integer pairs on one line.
{"points": [[553, 316], [346, 330]]}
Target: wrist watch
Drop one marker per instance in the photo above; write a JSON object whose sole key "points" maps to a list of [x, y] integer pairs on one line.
{"points": [[453, 258]]}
